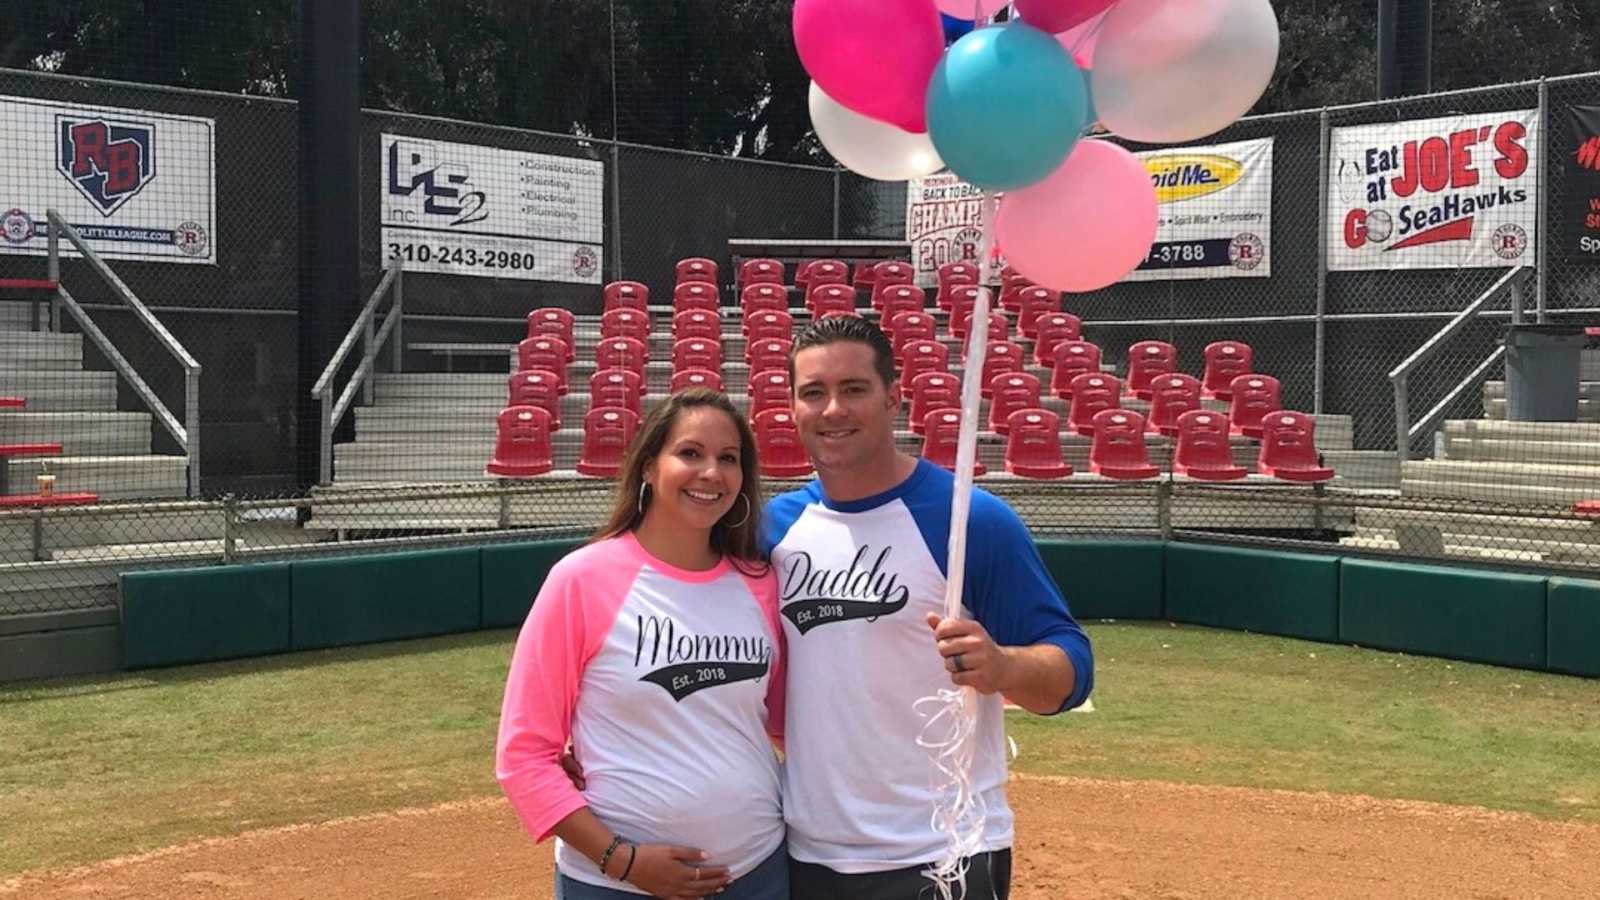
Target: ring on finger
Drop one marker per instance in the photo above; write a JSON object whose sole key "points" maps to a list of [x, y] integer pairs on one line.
{"points": [[960, 667]]}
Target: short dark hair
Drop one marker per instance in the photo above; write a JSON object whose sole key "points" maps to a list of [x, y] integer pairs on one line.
{"points": [[834, 329]]}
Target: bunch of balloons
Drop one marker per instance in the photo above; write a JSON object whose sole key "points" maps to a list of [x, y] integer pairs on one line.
{"points": [[904, 88]]}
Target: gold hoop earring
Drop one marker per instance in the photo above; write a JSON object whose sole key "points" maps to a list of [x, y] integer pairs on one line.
{"points": [[746, 518], [642, 486]]}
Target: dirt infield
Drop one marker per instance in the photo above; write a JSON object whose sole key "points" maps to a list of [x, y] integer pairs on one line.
{"points": [[1079, 838]]}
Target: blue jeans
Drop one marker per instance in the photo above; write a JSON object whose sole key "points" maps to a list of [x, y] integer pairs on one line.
{"points": [[767, 881]]}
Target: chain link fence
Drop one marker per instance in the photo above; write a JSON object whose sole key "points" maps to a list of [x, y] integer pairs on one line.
{"points": [[1330, 337]]}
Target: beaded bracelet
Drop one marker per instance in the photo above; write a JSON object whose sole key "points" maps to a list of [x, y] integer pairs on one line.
{"points": [[633, 851], [606, 857]]}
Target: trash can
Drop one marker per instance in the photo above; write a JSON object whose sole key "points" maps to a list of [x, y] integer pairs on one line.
{"points": [[1542, 365]]}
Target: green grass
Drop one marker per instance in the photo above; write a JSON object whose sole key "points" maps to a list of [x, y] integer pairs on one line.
{"points": [[91, 769]]}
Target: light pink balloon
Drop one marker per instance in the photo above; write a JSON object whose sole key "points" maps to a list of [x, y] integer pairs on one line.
{"points": [[1080, 40], [962, 9], [875, 57], [1056, 16], [1084, 227]]}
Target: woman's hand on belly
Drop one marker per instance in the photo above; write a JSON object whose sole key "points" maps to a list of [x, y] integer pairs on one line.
{"points": [[676, 872]]}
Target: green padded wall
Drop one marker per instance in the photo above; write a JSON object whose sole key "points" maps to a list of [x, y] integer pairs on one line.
{"points": [[387, 597], [512, 574], [1107, 579], [1471, 614], [1265, 591], [1574, 626], [194, 615]]}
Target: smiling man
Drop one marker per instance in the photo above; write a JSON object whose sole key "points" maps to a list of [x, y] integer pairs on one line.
{"points": [[860, 555]]}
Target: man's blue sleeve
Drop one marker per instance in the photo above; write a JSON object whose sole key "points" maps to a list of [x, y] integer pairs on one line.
{"points": [[1013, 596]]}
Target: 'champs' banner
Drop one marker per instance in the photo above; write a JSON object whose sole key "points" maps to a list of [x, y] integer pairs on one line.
{"points": [[134, 184], [1582, 154], [1453, 192], [1216, 212], [944, 224]]}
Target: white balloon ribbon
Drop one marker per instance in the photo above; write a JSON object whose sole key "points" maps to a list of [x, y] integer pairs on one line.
{"points": [[949, 732]]}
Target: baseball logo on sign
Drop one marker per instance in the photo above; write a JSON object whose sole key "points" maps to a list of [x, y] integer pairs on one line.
{"points": [[1247, 251], [1510, 241], [17, 227]]}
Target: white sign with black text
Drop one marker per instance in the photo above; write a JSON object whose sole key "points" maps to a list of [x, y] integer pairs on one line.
{"points": [[465, 209]]}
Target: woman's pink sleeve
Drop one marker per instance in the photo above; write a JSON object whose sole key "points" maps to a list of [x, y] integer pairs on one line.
{"points": [[765, 590], [561, 634]]}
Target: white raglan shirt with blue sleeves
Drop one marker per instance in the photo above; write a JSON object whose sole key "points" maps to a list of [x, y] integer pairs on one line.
{"points": [[856, 581]]}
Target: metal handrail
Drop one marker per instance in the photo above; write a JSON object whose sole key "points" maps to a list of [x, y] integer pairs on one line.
{"points": [[372, 340], [187, 433], [1405, 431]]}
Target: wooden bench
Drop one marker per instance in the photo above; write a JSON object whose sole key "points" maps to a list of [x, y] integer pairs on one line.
{"points": [[9, 450]]}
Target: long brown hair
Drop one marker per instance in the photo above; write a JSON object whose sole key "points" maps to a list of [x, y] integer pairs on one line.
{"points": [[739, 544]]}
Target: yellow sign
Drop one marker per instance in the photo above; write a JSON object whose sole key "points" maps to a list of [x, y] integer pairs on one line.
{"points": [[1187, 176]]}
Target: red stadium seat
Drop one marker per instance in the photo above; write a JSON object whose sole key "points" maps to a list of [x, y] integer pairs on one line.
{"points": [[1051, 330], [1225, 361], [696, 353], [696, 269], [1033, 445], [758, 271], [522, 443], [907, 327], [1092, 392], [1203, 450], [1253, 397], [697, 323], [962, 297], [892, 271], [1011, 295], [769, 354], [924, 356], [897, 298], [622, 353], [778, 444], [1001, 357], [695, 295], [769, 390], [954, 273], [1170, 397], [633, 380], [536, 387], [629, 294], [769, 325], [1289, 448], [1118, 450], [826, 298], [545, 353], [761, 297], [931, 391], [555, 322], [607, 432], [1009, 393], [836, 313], [1035, 303], [1146, 360], [822, 271], [695, 378], [941, 430], [961, 325], [625, 323], [616, 388], [862, 277], [1072, 358]]}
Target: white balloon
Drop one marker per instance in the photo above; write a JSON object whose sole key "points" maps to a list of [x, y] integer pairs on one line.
{"points": [[1168, 71], [870, 147]]}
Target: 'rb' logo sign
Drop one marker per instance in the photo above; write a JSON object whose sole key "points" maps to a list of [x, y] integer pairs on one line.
{"points": [[108, 161]]}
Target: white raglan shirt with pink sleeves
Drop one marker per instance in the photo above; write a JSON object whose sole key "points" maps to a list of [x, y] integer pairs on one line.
{"points": [[670, 685]]}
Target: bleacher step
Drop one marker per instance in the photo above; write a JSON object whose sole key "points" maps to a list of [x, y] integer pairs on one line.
{"points": [[41, 350], [131, 477], [128, 526], [60, 390], [80, 433]]}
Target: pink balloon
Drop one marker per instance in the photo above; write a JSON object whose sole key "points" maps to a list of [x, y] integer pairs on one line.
{"points": [[962, 9], [1056, 16], [1080, 40], [1084, 227], [875, 57]]}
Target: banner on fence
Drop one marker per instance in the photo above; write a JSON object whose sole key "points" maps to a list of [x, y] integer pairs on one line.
{"points": [[1452, 192], [465, 209], [1216, 215], [1582, 152], [134, 184], [1216, 212]]}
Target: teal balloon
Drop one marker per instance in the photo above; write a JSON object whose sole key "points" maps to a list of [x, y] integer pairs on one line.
{"points": [[1006, 106]]}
